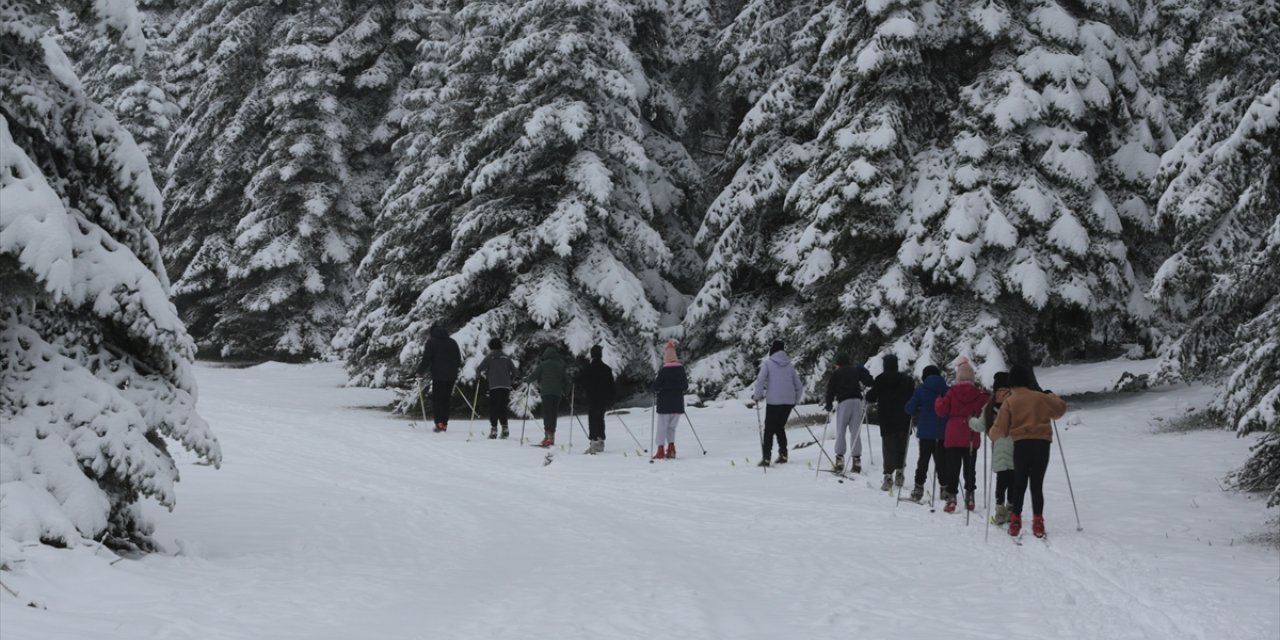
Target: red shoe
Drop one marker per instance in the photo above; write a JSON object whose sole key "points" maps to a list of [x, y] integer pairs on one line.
{"points": [[660, 454], [1015, 524], [671, 450], [969, 503], [1037, 526], [442, 426], [951, 506], [548, 441]]}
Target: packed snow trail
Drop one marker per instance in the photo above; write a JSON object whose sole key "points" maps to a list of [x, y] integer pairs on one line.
{"points": [[329, 520]]}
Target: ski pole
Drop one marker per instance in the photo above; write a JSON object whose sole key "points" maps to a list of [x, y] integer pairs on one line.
{"points": [[525, 416], [422, 400], [475, 402], [871, 454], [653, 417], [573, 391], [463, 396], [818, 467], [695, 434], [814, 436], [584, 427], [633, 436], [968, 461], [1063, 455], [933, 493], [987, 471], [760, 430]]}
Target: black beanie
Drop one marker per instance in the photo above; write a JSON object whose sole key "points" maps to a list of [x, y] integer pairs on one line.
{"points": [[495, 343], [1020, 376], [597, 352], [775, 347], [842, 360], [930, 370], [1001, 381]]}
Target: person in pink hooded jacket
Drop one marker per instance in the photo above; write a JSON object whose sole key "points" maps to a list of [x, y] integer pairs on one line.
{"points": [[960, 444]]}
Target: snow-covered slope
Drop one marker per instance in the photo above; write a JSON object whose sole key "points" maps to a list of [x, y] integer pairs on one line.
{"points": [[329, 520]]}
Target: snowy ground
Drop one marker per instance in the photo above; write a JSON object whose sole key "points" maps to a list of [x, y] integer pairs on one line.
{"points": [[333, 521]]}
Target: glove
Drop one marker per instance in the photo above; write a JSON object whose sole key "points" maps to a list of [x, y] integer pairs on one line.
{"points": [[827, 407]]}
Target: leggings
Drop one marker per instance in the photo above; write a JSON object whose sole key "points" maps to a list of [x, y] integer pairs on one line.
{"points": [[1004, 485], [775, 427], [1030, 461], [929, 448], [499, 400], [441, 396], [550, 411], [958, 457]]}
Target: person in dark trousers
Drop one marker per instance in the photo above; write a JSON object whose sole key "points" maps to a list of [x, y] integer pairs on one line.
{"points": [[780, 387], [501, 375], [596, 380], [669, 385], [552, 378], [930, 428], [441, 359], [891, 391], [962, 401], [1027, 416], [1001, 449], [844, 388]]}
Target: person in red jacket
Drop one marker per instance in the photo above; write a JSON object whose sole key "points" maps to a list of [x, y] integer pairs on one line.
{"points": [[960, 444]]}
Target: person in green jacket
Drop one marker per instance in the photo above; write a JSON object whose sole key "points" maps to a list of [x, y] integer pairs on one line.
{"points": [[1001, 448], [552, 378]]}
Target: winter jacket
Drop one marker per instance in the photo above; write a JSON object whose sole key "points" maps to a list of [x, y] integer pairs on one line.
{"points": [[596, 380], [441, 356], [778, 382], [929, 425], [551, 374], [1028, 415], [846, 383], [499, 370], [670, 385], [891, 391], [961, 402]]}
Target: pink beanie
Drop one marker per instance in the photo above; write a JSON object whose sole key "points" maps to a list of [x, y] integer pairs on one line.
{"points": [[964, 370], [669, 353]]}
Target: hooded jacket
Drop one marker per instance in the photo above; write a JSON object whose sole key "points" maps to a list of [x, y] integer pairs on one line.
{"points": [[846, 383], [778, 382], [891, 391], [962, 401], [597, 381], [499, 370], [551, 374], [929, 425], [1028, 415], [441, 356]]}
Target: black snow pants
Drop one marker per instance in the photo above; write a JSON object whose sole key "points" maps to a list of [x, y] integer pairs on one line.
{"points": [[499, 407], [775, 427], [893, 444], [957, 457], [1004, 485], [550, 412], [929, 448], [1030, 461], [595, 420], [441, 396]]}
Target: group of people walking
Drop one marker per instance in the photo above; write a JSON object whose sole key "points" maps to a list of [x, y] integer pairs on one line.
{"points": [[950, 420]]}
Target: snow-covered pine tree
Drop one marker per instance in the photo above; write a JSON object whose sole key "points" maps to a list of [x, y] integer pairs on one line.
{"points": [[1219, 197], [769, 83], [1016, 219], [277, 168], [543, 206], [95, 365]]}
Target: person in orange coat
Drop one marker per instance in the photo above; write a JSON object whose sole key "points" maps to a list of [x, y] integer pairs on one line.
{"points": [[1026, 417]]}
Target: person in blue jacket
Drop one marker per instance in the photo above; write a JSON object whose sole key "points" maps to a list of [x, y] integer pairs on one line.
{"points": [[930, 427]]}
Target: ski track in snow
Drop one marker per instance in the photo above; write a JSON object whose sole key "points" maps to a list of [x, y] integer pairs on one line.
{"points": [[328, 521]]}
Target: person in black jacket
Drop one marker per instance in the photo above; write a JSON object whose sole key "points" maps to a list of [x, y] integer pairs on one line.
{"points": [[669, 387], [845, 389], [891, 391], [597, 381], [501, 374], [441, 359]]}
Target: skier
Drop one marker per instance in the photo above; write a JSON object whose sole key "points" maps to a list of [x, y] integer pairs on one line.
{"points": [[779, 386], [669, 386], [845, 388], [963, 400], [501, 375], [891, 391], [442, 359], [1001, 449], [597, 380], [553, 380], [1026, 416], [929, 426]]}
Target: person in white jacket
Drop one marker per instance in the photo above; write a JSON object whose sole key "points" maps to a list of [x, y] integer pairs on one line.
{"points": [[779, 386]]}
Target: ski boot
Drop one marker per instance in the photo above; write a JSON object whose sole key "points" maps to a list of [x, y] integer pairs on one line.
{"points": [[1015, 524], [660, 453], [548, 440], [951, 503], [671, 450], [968, 500], [856, 465], [1037, 526], [441, 426], [764, 462], [917, 493], [493, 433], [838, 467], [505, 434], [1002, 515], [887, 485], [782, 458], [898, 478]]}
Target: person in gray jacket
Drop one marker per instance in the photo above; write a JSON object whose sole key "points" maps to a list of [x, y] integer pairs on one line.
{"points": [[779, 386], [500, 373]]}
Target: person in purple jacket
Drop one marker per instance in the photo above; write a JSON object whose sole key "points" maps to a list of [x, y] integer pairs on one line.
{"points": [[779, 386], [930, 427]]}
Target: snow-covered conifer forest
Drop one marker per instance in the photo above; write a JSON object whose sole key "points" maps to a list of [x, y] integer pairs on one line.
{"points": [[1049, 182]]}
